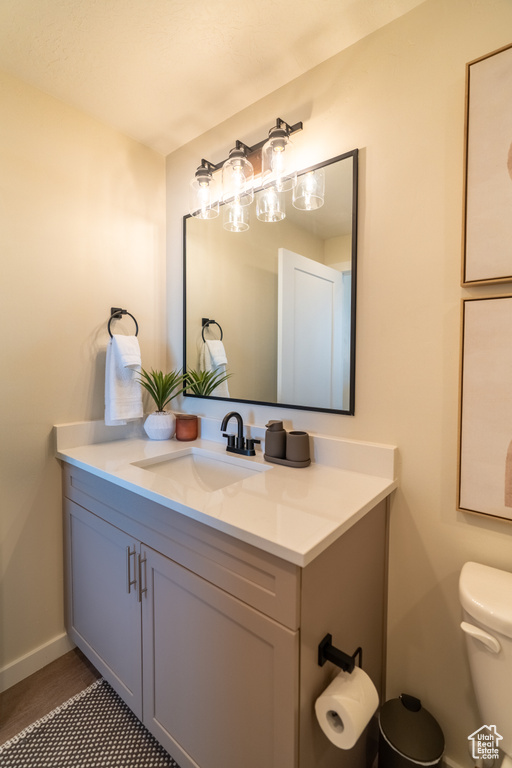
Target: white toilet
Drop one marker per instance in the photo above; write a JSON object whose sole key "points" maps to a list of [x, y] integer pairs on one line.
{"points": [[486, 598]]}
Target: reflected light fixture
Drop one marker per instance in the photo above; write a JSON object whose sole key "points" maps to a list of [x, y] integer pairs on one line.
{"points": [[309, 193], [204, 198], [236, 217], [270, 205], [278, 174]]}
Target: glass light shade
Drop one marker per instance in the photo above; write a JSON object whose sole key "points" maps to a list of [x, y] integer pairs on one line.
{"points": [[236, 217], [203, 195], [238, 178], [278, 161], [270, 205], [309, 193]]}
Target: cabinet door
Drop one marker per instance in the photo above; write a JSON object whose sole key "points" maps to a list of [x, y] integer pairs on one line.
{"points": [[220, 678], [104, 616]]}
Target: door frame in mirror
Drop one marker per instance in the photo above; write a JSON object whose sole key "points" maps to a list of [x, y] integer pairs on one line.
{"points": [[354, 154]]}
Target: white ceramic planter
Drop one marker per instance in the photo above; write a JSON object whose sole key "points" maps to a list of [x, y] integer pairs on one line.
{"points": [[160, 425]]}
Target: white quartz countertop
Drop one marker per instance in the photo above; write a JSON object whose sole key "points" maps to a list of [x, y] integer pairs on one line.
{"points": [[292, 513]]}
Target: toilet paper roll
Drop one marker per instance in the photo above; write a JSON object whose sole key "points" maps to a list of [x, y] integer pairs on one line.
{"points": [[346, 707]]}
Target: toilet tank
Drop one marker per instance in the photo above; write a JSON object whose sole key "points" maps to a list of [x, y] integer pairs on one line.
{"points": [[486, 597]]}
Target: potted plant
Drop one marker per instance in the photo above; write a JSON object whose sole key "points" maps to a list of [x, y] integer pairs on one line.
{"points": [[163, 387], [204, 382]]}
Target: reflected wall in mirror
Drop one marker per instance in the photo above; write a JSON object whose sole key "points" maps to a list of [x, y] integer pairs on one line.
{"points": [[284, 295]]}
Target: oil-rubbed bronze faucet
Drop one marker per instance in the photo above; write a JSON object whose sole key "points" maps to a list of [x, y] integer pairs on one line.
{"points": [[238, 443]]}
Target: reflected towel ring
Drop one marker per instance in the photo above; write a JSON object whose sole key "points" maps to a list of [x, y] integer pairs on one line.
{"points": [[207, 323], [116, 313]]}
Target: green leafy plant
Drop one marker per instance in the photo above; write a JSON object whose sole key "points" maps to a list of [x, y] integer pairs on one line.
{"points": [[162, 387], [204, 382]]}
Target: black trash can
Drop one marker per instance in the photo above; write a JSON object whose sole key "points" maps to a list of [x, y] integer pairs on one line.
{"points": [[409, 735]]}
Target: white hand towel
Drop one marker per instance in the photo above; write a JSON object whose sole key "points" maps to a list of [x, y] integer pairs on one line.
{"points": [[205, 359], [206, 364], [123, 398]]}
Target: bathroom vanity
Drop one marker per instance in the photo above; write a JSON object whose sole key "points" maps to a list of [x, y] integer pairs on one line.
{"points": [[204, 607]]}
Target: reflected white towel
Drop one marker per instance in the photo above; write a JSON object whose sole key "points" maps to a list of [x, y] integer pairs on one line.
{"points": [[123, 397], [217, 352], [206, 363]]}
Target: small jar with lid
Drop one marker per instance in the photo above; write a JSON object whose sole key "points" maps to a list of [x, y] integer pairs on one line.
{"points": [[186, 426]]}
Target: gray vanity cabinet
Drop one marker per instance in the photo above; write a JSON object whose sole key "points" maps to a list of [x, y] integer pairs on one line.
{"points": [[103, 616], [219, 677], [215, 643]]}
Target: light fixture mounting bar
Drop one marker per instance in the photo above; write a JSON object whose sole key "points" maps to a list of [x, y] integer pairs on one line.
{"points": [[209, 166], [240, 145], [290, 130]]}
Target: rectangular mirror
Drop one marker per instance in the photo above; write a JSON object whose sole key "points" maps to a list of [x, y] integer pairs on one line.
{"points": [[283, 294]]}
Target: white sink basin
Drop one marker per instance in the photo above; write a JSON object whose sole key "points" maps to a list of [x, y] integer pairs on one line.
{"points": [[198, 468]]}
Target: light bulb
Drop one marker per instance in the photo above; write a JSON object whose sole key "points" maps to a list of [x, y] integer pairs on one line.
{"points": [[238, 178], [203, 197], [278, 160]]}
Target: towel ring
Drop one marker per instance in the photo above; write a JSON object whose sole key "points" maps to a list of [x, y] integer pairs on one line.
{"points": [[116, 313], [207, 323]]}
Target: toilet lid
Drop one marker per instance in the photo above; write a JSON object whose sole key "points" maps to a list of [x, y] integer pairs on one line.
{"points": [[486, 594]]}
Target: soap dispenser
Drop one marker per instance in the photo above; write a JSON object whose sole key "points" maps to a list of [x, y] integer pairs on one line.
{"points": [[275, 440]]}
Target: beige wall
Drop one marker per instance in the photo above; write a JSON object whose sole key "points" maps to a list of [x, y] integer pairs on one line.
{"points": [[398, 95], [338, 252], [82, 217]]}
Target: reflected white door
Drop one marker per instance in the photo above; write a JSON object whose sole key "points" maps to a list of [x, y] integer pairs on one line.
{"points": [[310, 340]]}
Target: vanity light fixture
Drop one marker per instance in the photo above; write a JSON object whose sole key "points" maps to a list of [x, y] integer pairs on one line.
{"points": [[204, 198], [238, 177], [308, 195], [278, 174], [237, 189], [278, 158]]}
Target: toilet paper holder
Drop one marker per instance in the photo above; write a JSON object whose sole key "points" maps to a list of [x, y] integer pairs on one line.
{"points": [[327, 652]]}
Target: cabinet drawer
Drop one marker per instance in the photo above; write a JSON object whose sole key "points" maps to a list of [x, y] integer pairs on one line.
{"points": [[266, 582]]}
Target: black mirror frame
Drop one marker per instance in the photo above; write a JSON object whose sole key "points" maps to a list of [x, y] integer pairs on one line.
{"points": [[354, 154]]}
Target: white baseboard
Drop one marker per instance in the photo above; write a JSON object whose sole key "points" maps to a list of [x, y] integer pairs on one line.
{"points": [[31, 662]]}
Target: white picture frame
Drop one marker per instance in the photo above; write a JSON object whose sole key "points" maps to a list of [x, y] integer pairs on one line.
{"points": [[487, 235], [485, 421]]}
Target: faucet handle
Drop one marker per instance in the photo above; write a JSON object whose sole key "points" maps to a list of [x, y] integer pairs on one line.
{"points": [[250, 445], [231, 440]]}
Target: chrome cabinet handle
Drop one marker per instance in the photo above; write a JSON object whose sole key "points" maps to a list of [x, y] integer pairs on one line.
{"points": [[130, 582], [142, 560]]}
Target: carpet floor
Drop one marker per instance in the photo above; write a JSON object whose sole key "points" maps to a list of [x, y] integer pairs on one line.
{"points": [[94, 729]]}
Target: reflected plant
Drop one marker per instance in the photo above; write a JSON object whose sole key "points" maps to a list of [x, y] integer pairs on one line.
{"points": [[204, 382]]}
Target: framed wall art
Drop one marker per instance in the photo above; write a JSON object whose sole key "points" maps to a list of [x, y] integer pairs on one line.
{"points": [[485, 424], [487, 238]]}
